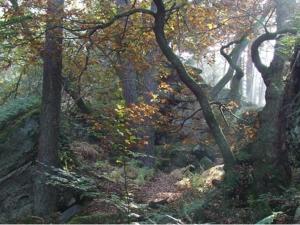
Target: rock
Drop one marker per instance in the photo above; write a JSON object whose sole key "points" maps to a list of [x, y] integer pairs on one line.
{"points": [[176, 156], [297, 216], [201, 151], [206, 163], [135, 217], [184, 184], [17, 142], [211, 175], [270, 219], [100, 218], [181, 156], [163, 219], [86, 151], [156, 203], [131, 172], [69, 213], [180, 173], [31, 220]]}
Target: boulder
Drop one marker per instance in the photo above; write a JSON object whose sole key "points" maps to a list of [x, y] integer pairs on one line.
{"points": [[297, 216], [99, 218], [201, 151], [17, 141], [211, 175], [206, 163]]}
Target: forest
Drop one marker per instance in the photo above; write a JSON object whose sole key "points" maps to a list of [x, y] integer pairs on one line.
{"points": [[150, 111]]}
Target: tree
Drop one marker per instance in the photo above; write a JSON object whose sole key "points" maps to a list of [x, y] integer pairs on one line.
{"points": [[149, 88], [45, 195], [271, 168], [232, 59], [160, 17], [249, 75], [234, 72], [233, 63], [291, 103], [125, 68]]}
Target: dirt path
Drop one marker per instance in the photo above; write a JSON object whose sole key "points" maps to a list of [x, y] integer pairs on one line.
{"points": [[162, 189]]}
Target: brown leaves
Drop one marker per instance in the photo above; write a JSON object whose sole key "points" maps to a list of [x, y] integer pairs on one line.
{"points": [[141, 112]]}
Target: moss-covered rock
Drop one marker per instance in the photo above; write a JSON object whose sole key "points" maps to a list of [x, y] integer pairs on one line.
{"points": [[206, 163], [15, 109], [176, 156], [18, 136]]}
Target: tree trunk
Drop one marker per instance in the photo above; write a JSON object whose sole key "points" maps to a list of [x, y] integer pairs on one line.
{"points": [[75, 95], [249, 76], [270, 171], [150, 86], [209, 116], [125, 68], [235, 55], [130, 86], [235, 85], [291, 109], [45, 196], [129, 80], [261, 93]]}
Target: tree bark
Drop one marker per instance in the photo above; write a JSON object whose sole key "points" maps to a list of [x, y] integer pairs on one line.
{"points": [[249, 75], [125, 68], [270, 170], [45, 196], [150, 86], [291, 106], [209, 116], [75, 95], [234, 57], [261, 93], [131, 92], [239, 73], [129, 80]]}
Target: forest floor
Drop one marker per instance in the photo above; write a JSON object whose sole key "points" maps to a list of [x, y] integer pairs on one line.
{"points": [[180, 196]]}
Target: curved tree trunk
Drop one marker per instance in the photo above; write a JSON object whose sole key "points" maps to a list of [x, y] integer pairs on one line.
{"points": [[209, 116], [235, 55], [45, 195], [234, 93]]}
